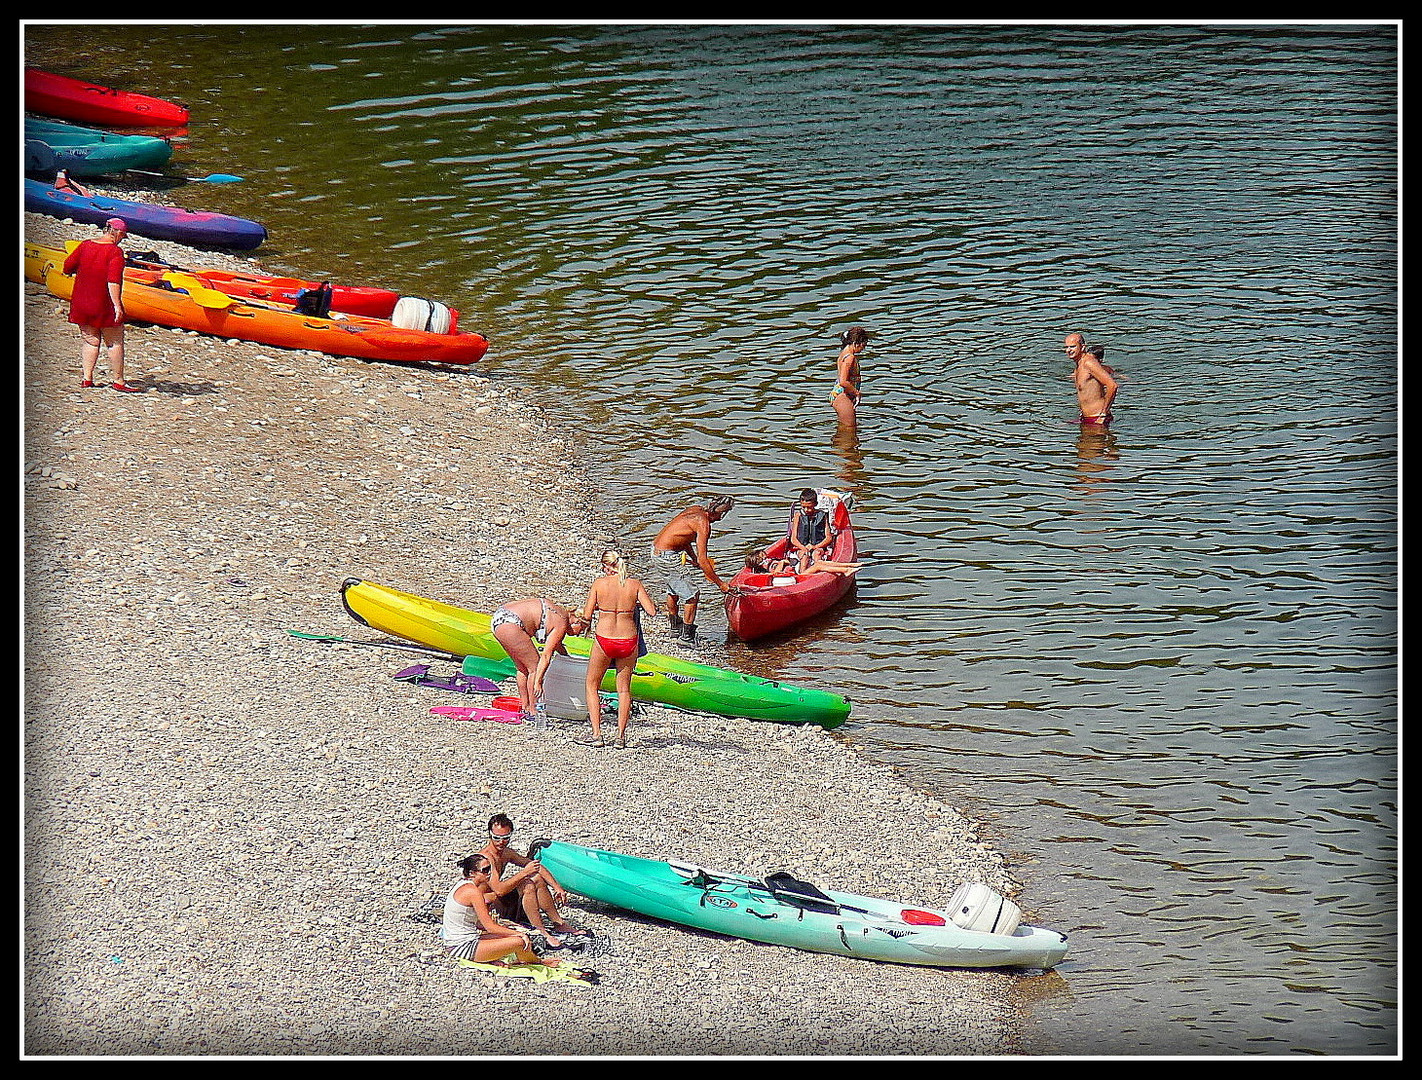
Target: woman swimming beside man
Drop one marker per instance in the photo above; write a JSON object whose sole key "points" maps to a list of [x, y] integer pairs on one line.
{"points": [[614, 600]]}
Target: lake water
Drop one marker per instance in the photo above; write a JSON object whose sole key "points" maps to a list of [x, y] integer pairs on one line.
{"points": [[1159, 661]]}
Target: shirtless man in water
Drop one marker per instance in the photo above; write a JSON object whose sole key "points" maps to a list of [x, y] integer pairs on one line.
{"points": [[684, 540], [1095, 383]]}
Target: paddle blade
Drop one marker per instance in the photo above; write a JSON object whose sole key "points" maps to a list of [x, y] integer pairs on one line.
{"points": [[221, 178], [489, 669], [202, 295]]}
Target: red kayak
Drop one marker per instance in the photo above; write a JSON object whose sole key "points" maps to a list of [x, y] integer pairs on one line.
{"points": [[351, 299], [759, 604], [86, 103]]}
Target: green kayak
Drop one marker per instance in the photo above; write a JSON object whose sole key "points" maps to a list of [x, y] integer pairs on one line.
{"points": [[665, 680], [978, 929]]}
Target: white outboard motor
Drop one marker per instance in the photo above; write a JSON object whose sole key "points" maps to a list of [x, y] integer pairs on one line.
{"points": [[417, 313], [976, 907]]}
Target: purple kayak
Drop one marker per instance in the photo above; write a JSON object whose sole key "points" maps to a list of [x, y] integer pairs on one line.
{"points": [[193, 227]]}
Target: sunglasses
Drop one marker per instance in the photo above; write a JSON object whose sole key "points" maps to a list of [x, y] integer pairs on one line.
{"points": [[501, 836]]}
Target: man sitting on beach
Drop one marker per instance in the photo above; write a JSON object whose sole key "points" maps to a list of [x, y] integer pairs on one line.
{"points": [[682, 540], [532, 892]]}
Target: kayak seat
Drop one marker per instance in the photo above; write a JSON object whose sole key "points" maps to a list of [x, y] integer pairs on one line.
{"points": [[789, 889], [694, 875]]}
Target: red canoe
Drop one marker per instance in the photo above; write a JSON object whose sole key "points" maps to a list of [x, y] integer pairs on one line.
{"points": [[86, 103], [351, 299], [761, 604]]}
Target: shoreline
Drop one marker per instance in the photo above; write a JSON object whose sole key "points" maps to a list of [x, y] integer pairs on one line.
{"points": [[231, 834]]}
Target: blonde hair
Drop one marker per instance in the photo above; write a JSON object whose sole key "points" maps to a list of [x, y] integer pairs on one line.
{"points": [[612, 557]]}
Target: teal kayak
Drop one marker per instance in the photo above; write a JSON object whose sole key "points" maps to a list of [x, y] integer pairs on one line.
{"points": [[978, 929], [91, 152], [664, 680]]}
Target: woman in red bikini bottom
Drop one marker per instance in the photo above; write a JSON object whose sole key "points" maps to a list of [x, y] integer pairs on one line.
{"points": [[614, 598]]}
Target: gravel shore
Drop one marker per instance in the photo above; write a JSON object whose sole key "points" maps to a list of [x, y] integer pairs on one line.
{"points": [[231, 835]]}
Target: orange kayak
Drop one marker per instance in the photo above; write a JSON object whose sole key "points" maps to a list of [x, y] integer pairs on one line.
{"points": [[188, 302]]}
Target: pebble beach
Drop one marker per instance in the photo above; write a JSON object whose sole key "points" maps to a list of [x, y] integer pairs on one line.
{"points": [[233, 836]]}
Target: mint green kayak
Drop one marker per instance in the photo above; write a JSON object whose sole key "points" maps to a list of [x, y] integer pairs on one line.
{"points": [[978, 929], [664, 680], [91, 152]]}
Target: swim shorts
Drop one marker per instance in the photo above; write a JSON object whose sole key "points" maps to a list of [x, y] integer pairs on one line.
{"points": [[672, 566]]}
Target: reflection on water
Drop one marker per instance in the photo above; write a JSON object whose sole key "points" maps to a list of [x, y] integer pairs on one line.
{"points": [[850, 473], [1097, 452]]}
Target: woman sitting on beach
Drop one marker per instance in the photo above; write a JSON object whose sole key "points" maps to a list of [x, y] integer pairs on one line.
{"points": [[470, 930], [519, 626], [615, 599]]}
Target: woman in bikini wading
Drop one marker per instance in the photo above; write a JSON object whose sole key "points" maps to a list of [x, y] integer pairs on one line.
{"points": [[614, 598], [845, 395], [517, 625]]}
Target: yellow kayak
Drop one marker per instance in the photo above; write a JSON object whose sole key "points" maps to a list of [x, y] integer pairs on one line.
{"points": [[665, 680]]}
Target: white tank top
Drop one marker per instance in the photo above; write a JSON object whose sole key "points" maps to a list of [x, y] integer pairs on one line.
{"points": [[461, 921]]}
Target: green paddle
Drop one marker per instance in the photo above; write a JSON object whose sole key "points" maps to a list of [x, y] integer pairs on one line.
{"points": [[410, 645]]}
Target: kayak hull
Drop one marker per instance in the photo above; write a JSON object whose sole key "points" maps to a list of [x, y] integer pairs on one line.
{"points": [[757, 607], [192, 227], [354, 335], [747, 908], [90, 152], [89, 103], [664, 680]]}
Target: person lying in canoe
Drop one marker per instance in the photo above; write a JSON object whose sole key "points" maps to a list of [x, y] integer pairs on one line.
{"points": [[757, 563], [519, 625], [532, 893]]}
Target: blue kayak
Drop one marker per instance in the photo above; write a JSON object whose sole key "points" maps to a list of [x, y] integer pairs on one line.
{"points": [[91, 152], [197, 228]]}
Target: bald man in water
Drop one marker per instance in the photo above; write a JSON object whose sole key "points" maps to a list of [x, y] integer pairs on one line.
{"points": [[1095, 383]]}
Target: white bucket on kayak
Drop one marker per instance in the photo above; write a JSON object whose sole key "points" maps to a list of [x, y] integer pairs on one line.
{"points": [[976, 907], [565, 687], [417, 313]]}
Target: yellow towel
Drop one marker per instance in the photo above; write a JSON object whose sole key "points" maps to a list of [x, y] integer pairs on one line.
{"points": [[540, 973]]}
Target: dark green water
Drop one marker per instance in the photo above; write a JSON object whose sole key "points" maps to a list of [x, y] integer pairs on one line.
{"points": [[1161, 662]]}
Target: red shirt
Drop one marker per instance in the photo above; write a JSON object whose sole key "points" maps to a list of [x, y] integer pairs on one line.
{"points": [[95, 265]]}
